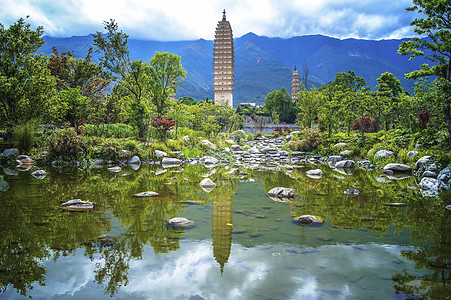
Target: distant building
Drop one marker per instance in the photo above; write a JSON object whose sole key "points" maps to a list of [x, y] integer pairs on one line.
{"points": [[223, 62], [295, 85], [250, 104]]}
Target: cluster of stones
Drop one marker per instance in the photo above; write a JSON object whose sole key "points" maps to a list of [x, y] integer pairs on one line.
{"points": [[268, 151], [263, 152]]}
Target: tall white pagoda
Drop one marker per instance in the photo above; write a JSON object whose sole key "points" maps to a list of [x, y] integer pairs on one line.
{"points": [[295, 85], [223, 62]]}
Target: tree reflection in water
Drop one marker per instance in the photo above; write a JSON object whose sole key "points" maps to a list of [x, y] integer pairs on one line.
{"points": [[118, 230]]}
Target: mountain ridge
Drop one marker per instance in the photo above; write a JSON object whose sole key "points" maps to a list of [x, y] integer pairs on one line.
{"points": [[264, 64]]}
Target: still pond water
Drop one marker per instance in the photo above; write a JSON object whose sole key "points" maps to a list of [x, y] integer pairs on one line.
{"points": [[244, 244]]}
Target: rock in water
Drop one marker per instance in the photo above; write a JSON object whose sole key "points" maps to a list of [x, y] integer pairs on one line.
{"points": [[352, 192], [170, 161], [444, 175], [134, 160], [345, 164], [412, 154], [398, 168], [334, 158], [39, 174], [146, 194], [11, 151], [114, 169], [316, 174], [346, 152], [181, 222], [383, 154], [24, 160], [431, 184], [208, 144], [281, 192], [207, 183], [423, 160], [307, 219], [209, 160], [78, 205]]}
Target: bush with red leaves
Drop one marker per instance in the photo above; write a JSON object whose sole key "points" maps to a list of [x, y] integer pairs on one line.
{"points": [[163, 125], [365, 124], [424, 116]]}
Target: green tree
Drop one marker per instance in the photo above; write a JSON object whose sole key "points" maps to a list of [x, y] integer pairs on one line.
{"points": [[129, 75], [435, 25], [387, 98], [71, 106], [329, 111], [188, 100], [26, 86], [165, 74], [280, 105], [349, 92], [308, 104], [86, 76]]}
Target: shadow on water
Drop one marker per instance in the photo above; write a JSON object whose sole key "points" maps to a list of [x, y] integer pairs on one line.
{"points": [[118, 234]]}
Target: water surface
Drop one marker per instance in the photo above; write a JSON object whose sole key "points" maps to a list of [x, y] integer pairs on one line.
{"points": [[244, 245]]}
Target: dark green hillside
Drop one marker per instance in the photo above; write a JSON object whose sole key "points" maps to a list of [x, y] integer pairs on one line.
{"points": [[253, 81]]}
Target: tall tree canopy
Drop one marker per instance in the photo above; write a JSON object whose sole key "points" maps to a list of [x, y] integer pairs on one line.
{"points": [[141, 84], [165, 73], [434, 44], [280, 105], [25, 81]]}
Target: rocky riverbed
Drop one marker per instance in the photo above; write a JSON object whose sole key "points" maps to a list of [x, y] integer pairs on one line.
{"points": [[264, 153]]}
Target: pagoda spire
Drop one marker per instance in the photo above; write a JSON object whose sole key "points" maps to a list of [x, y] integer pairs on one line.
{"points": [[295, 85], [223, 63]]}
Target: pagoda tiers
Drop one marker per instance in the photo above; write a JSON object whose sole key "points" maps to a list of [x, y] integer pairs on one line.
{"points": [[295, 85], [221, 223], [223, 62]]}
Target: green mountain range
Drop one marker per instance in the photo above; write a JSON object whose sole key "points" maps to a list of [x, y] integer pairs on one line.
{"points": [[265, 64]]}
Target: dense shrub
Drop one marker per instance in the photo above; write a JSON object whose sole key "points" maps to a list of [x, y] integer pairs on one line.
{"points": [[365, 125], [110, 149], [24, 136], [65, 144], [311, 139], [109, 130], [163, 125], [132, 146], [175, 145]]}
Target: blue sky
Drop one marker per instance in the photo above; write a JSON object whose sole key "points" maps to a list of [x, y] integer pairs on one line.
{"points": [[194, 19]]}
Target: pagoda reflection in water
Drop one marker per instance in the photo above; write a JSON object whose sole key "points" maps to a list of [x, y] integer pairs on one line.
{"points": [[222, 218]]}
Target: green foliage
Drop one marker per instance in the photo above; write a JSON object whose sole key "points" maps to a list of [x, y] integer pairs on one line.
{"points": [[403, 158], [70, 106], [132, 146], [175, 145], [187, 100], [258, 134], [65, 144], [193, 152], [311, 139], [26, 85], [158, 146], [8, 160], [110, 149], [117, 130], [165, 73], [24, 136], [279, 104], [433, 24], [308, 104]]}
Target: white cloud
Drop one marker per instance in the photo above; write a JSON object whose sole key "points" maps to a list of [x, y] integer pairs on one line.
{"points": [[193, 19]]}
